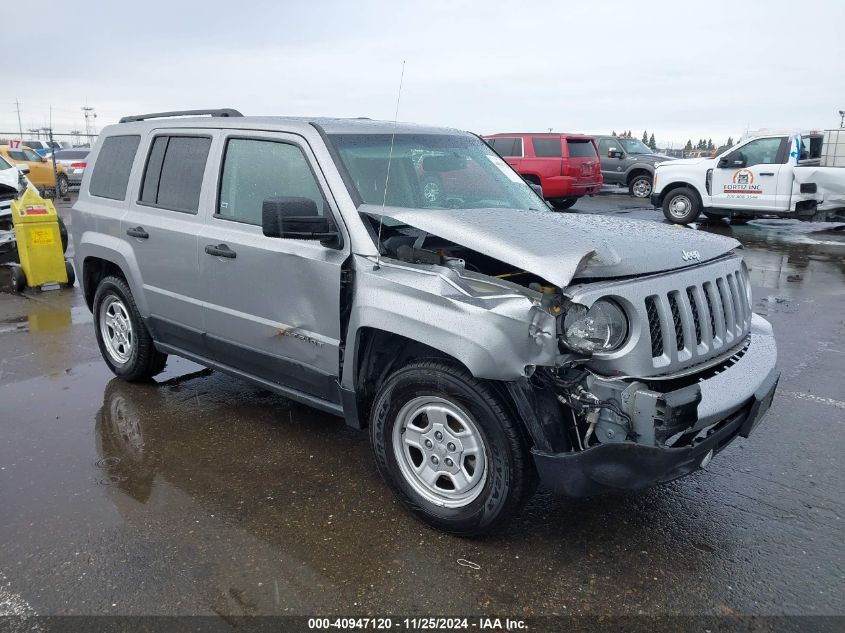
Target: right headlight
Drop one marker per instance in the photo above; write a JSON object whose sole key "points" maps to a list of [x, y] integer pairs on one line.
{"points": [[602, 327]]}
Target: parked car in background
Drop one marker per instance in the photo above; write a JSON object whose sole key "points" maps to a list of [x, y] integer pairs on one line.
{"points": [[13, 181], [783, 174], [74, 160], [629, 162], [566, 166], [39, 147], [40, 169]]}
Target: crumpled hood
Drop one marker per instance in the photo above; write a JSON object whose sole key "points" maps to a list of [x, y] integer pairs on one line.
{"points": [[561, 246]]}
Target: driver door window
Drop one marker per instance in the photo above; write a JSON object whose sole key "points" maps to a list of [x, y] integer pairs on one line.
{"points": [[763, 151], [254, 170], [604, 147]]}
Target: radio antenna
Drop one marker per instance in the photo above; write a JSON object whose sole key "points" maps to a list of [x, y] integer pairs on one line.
{"points": [[387, 176]]}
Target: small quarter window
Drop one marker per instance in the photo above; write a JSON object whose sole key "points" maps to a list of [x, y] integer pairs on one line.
{"points": [[112, 167]]}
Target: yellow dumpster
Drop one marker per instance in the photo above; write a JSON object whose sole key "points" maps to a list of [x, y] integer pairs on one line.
{"points": [[39, 241]]}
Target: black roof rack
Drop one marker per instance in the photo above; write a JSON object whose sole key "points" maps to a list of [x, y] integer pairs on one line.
{"points": [[221, 112]]}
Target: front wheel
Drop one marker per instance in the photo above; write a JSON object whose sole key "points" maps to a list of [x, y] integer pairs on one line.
{"points": [[124, 341], [450, 449], [681, 206], [640, 186]]}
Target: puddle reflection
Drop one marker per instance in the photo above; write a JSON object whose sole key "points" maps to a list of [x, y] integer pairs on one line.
{"points": [[788, 259]]}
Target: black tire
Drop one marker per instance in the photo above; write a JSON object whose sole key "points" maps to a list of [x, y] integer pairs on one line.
{"points": [[62, 186], [564, 203], [687, 206], [18, 279], [143, 360], [71, 274], [63, 234], [640, 186], [510, 478]]}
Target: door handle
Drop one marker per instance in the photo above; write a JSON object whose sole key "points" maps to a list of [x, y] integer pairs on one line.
{"points": [[767, 173], [138, 232], [220, 250]]}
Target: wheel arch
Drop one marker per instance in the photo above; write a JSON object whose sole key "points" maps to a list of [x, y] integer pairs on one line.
{"points": [[379, 352], [376, 354], [637, 171], [99, 255], [677, 184]]}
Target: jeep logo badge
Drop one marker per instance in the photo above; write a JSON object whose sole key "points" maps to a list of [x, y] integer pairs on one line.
{"points": [[690, 255]]}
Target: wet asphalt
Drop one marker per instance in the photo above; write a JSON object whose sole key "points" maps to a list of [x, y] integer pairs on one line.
{"points": [[201, 494]]}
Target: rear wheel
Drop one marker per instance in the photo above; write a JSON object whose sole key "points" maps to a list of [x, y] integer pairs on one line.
{"points": [[450, 450], [124, 341], [564, 203], [640, 185], [681, 206]]}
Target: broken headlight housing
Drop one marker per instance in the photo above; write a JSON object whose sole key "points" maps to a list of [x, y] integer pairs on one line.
{"points": [[603, 327]]}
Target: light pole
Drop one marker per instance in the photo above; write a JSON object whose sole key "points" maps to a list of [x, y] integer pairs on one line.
{"points": [[842, 118]]}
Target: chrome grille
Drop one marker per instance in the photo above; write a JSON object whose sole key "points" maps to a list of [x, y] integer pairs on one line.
{"points": [[680, 333]]}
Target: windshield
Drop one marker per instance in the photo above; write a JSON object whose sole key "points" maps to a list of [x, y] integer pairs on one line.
{"points": [[4, 164], [432, 171], [633, 146]]}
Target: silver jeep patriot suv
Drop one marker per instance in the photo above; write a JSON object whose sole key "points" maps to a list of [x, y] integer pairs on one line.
{"points": [[487, 342]]}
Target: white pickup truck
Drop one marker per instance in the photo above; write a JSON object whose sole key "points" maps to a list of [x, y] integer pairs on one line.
{"points": [[781, 174]]}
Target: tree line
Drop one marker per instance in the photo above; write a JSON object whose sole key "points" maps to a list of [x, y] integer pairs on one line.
{"points": [[648, 139]]}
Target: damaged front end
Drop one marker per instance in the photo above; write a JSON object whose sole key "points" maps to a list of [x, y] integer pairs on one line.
{"points": [[696, 370], [622, 382]]}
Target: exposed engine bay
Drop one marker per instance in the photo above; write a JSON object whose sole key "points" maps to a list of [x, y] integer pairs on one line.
{"points": [[414, 246]]}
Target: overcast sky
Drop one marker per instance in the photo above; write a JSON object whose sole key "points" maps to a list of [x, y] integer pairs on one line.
{"points": [[681, 69]]}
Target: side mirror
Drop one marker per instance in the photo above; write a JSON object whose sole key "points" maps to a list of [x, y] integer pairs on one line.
{"points": [[615, 153], [731, 161], [297, 218], [24, 169]]}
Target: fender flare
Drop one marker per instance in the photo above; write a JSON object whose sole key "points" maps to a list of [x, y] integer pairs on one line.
{"points": [[118, 252]]}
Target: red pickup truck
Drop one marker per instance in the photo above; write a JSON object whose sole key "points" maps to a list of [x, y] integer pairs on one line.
{"points": [[566, 166]]}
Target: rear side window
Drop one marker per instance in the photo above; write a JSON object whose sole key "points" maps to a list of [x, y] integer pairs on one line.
{"points": [[112, 167], [547, 147], [581, 149], [254, 170], [173, 176], [507, 146]]}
